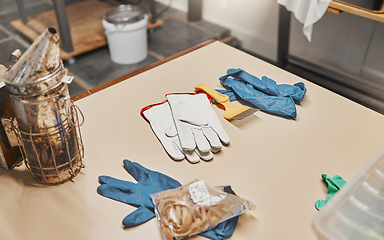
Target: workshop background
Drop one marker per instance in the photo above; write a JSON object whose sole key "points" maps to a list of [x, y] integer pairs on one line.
{"points": [[347, 45]]}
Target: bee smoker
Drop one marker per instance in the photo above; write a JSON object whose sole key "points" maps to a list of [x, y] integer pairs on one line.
{"points": [[47, 122]]}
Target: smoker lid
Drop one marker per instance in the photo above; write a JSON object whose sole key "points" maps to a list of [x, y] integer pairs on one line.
{"points": [[41, 59], [39, 68], [125, 14]]}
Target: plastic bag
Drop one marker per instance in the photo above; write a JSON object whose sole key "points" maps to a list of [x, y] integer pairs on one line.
{"points": [[195, 208]]}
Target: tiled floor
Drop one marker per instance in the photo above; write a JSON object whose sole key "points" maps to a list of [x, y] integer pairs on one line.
{"points": [[94, 68]]}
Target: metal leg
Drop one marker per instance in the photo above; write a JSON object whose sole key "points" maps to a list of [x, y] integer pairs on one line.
{"points": [[377, 4], [195, 10], [283, 36], [20, 7], [152, 9], [62, 21]]}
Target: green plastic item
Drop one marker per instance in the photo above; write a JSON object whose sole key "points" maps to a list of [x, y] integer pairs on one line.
{"points": [[334, 184]]}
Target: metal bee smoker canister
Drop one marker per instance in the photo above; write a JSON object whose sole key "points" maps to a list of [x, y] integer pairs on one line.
{"points": [[47, 126]]}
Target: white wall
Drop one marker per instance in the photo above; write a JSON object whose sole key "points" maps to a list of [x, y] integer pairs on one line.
{"points": [[252, 22], [343, 42]]}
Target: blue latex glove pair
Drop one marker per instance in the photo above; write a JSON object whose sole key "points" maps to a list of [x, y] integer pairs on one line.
{"points": [[263, 93], [138, 195], [334, 185]]}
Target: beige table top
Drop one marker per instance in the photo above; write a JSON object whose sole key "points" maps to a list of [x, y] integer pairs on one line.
{"points": [[274, 162]]}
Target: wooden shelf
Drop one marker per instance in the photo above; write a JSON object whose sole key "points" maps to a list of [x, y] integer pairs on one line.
{"points": [[337, 6], [87, 31]]}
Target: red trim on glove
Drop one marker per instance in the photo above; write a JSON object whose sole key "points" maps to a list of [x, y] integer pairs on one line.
{"points": [[148, 107]]}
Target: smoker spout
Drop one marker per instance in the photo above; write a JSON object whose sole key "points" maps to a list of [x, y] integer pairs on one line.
{"points": [[41, 59]]}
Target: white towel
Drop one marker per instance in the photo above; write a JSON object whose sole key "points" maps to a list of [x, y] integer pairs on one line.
{"points": [[307, 12]]}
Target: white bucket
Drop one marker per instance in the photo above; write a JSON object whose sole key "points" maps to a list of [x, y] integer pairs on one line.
{"points": [[127, 41]]}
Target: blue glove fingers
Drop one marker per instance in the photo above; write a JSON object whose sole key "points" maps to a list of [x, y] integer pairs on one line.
{"points": [[282, 106], [300, 95], [137, 171], [137, 217], [146, 176], [223, 230], [164, 182], [125, 196], [268, 85], [117, 183], [232, 72], [276, 105], [230, 93], [209, 234], [296, 91]]}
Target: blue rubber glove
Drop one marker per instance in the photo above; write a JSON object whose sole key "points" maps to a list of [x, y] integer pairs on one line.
{"points": [[264, 94], [334, 185], [138, 195], [224, 229]]}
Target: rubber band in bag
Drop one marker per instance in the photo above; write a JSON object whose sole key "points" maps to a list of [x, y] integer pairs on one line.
{"points": [[194, 208]]}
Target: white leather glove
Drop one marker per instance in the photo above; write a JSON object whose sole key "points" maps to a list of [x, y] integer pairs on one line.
{"points": [[162, 124], [197, 123]]}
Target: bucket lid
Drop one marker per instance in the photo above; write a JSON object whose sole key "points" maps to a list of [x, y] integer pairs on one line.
{"points": [[124, 14]]}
